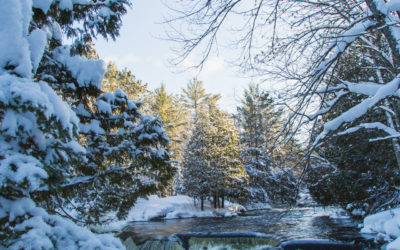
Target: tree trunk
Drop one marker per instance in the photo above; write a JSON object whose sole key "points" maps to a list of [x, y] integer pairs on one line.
{"points": [[396, 148], [215, 201], [395, 141], [223, 201], [202, 203]]}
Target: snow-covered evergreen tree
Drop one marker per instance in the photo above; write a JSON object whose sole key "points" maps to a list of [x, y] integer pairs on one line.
{"points": [[212, 166], [126, 155], [258, 167], [175, 118], [229, 178], [38, 130], [196, 173], [259, 127], [126, 158], [125, 80], [89, 152], [262, 151]]}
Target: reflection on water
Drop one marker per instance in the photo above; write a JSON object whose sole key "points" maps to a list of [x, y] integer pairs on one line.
{"points": [[299, 223]]}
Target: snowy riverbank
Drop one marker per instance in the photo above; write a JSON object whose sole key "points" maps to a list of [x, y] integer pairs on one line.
{"points": [[173, 207], [384, 226]]}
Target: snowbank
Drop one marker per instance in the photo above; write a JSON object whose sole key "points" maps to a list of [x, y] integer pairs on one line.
{"points": [[258, 206], [173, 207], [340, 214], [386, 226], [305, 199]]}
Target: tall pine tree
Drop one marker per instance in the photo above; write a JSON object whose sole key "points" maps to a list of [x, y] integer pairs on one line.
{"points": [[229, 178], [125, 80], [260, 124], [212, 168], [175, 117], [196, 96], [196, 171]]}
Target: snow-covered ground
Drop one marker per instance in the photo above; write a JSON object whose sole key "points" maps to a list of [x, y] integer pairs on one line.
{"points": [[385, 226], [257, 206], [173, 207], [305, 199]]}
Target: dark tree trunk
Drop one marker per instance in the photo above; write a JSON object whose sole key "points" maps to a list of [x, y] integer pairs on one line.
{"points": [[202, 203], [223, 201], [215, 201]]}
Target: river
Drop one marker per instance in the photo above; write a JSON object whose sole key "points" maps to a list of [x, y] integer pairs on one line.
{"points": [[281, 224]]}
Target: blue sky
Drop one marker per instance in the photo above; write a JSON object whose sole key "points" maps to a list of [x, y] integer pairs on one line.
{"points": [[139, 49]]}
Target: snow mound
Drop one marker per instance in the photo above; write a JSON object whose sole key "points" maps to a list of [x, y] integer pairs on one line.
{"points": [[258, 206], [340, 214], [305, 199], [385, 225], [176, 207], [173, 207]]}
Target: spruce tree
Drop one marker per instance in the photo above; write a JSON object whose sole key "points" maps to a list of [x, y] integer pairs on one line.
{"points": [[353, 156], [196, 96], [39, 151], [229, 178], [196, 173], [212, 168], [169, 108], [127, 158], [126, 151], [118, 154], [125, 80], [262, 152]]}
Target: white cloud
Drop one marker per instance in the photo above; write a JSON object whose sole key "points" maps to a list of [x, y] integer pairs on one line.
{"points": [[124, 61], [214, 64]]}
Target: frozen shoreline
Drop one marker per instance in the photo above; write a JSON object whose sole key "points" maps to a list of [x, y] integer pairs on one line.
{"points": [[173, 207], [384, 226]]}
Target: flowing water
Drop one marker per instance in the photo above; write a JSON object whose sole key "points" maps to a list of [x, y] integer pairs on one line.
{"points": [[280, 224]]}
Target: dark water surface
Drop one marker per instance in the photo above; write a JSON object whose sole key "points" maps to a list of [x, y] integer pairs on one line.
{"points": [[283, 224]]}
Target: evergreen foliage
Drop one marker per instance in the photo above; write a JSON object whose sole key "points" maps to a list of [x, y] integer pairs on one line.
{"points": [[258, 119], [229, 177], [196, 96], [124, 80], [126, 157], [92, 152], [211, 166], [39, 150], [196, 164], [270, 178], [175, 117], [357, 173]]}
